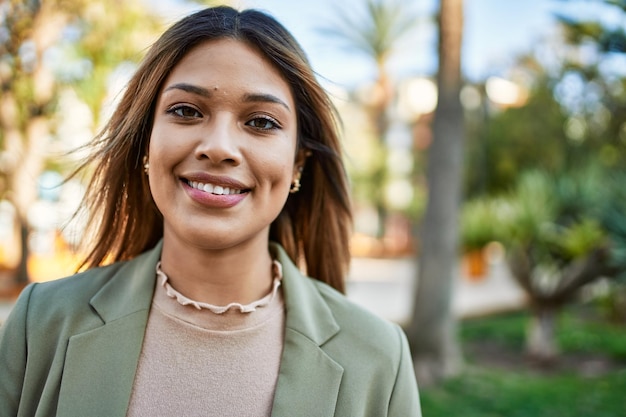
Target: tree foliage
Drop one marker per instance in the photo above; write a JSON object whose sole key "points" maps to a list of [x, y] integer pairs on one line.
{"points": [[607, 39], [562, 233], [41, 43], [516, 139], [558, 163], [575, 111], [376, 31]]}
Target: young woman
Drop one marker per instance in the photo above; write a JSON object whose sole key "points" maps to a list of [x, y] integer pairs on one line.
{"points": [[218, 178]]}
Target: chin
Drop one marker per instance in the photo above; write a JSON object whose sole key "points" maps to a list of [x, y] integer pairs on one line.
{"points": [[219, 240]]}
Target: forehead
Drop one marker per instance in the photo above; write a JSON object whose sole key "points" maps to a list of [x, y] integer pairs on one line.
{"points": [[228, 63]]}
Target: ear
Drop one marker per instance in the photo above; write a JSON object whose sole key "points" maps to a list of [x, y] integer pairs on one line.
{"points": [[298, 165]]}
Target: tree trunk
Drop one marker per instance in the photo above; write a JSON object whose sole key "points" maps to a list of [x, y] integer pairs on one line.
{"points": [[432, 332], [380, 120], [541, 342]]}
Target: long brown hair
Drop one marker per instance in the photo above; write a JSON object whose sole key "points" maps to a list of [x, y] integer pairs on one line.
{"points": [[314, 225]]}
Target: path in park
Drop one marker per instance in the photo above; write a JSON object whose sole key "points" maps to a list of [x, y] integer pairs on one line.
{"points": [[386, 287]]}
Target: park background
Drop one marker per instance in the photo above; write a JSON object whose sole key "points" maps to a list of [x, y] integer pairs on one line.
{"points": [[520, 304]]}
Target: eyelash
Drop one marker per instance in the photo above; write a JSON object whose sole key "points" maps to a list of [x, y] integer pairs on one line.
{"points": [[274, 122], [174, 111]]}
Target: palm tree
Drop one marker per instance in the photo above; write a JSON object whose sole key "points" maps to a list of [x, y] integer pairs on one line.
{"points": [[432, 330], [375, 34]]}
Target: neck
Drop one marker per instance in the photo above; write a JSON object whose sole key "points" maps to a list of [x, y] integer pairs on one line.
{"points": [[219, 277]]}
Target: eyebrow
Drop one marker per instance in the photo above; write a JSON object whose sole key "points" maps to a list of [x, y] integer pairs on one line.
{"points": [[190, 88], [264, 98], [248, 98]]}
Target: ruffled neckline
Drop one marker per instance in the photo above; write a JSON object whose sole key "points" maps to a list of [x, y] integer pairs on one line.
{"points": [[277, 271]]}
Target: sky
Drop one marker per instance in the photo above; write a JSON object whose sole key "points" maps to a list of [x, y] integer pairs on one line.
{"points": [[495, 31]]}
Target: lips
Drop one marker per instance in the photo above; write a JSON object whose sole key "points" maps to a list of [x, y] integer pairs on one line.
{"points": [[213, 190]]}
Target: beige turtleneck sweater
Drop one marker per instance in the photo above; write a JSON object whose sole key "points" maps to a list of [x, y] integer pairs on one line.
{"points": [[198, 360]]}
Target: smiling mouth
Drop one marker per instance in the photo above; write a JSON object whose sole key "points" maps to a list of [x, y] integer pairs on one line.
{"points": [[214, 189]]}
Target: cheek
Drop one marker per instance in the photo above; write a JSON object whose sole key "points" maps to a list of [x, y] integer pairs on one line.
{"points": [[157, 137], [281, 171], [276, 175], [274, 164], [163, 151]]}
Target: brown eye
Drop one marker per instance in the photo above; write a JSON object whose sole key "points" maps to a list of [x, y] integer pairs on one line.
{"points": [[186, 112], [263, 123]]}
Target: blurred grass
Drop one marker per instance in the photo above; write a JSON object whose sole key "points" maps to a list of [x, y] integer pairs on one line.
{"points": [[517, 390], [492, 393]]}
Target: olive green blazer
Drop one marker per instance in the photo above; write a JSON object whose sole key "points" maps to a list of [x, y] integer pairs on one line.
{"points": [[70, 348]]}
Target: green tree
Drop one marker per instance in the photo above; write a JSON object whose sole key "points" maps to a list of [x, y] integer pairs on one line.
{"points": [[111, 33], [28, 97], [562, 233], [504, 142], [31, 31], [432, 332], [606, 38], [565, 214], [574, 113], [598, 109]]}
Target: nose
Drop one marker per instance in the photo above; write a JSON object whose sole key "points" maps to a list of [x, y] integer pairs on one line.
{"points": [[219, 141]]}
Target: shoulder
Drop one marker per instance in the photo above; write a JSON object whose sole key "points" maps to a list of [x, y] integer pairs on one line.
{"points": [[51, 312], [372, 334], [47, 314], [67, 292], [82, 283], [374, 354], [45, 306], [316, 303], [74, 293], [346, 310]]}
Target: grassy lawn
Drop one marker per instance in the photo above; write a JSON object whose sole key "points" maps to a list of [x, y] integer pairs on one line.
{"points": [[503, 383]]}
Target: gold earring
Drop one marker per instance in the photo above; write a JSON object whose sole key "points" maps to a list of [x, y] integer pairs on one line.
{"points": [[146, 165], [295, 185]]}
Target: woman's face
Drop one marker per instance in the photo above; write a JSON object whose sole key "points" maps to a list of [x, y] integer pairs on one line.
{"points": [[223, 145]]}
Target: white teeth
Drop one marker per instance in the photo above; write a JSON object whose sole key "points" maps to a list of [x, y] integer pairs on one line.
{"points": [[214, 189]]}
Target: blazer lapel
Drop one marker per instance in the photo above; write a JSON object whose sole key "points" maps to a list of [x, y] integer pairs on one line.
{"points": [[111, 351], [309, 380]]}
